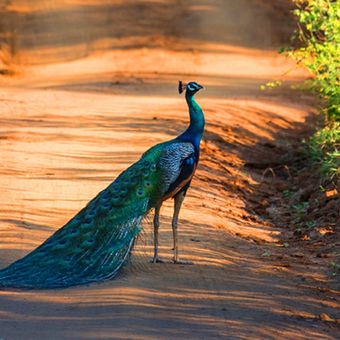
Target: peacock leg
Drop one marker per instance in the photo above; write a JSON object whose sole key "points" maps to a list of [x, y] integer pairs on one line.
{"points": [[155, 235], [178, 203]]}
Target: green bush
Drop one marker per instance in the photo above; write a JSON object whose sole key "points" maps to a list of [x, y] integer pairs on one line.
{"points": [[317, 48], [319, 34], [324, 149]]}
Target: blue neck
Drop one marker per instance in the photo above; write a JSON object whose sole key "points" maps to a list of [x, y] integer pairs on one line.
{"points": [[195, 130]]}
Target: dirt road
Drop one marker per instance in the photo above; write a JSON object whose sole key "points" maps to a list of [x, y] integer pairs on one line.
{"points": [[95, 86]]}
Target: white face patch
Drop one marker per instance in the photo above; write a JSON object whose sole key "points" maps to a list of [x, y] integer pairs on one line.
{"points": [[193, 86]]}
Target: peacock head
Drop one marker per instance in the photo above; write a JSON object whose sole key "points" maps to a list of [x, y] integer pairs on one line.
{"points": [[191, 87]]}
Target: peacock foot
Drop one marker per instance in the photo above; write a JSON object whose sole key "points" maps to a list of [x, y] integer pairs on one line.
{"points": [[178, 261], [182, 262], [157, 259]]}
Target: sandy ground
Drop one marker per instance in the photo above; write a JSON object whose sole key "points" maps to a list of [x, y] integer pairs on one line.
{"points": [[93, 90]]}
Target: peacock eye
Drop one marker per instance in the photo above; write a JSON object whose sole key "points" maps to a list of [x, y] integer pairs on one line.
{"points": [[123, 191], [77, 219], [105, 196]]}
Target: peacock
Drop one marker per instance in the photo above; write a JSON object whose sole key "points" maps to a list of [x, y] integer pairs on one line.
{"points": [[96, 242]]}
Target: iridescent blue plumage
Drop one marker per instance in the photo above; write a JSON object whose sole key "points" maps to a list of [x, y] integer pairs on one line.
{"points": [[95, 243]]}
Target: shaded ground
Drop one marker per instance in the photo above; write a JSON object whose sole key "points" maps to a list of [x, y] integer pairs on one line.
{"points": [[95, 86]]}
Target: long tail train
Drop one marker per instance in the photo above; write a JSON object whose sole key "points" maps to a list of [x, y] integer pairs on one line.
{"points": [[93, 245]]}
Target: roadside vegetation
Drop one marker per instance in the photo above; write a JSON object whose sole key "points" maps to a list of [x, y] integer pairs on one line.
{"points": [[309, 208], [316, 47]]}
